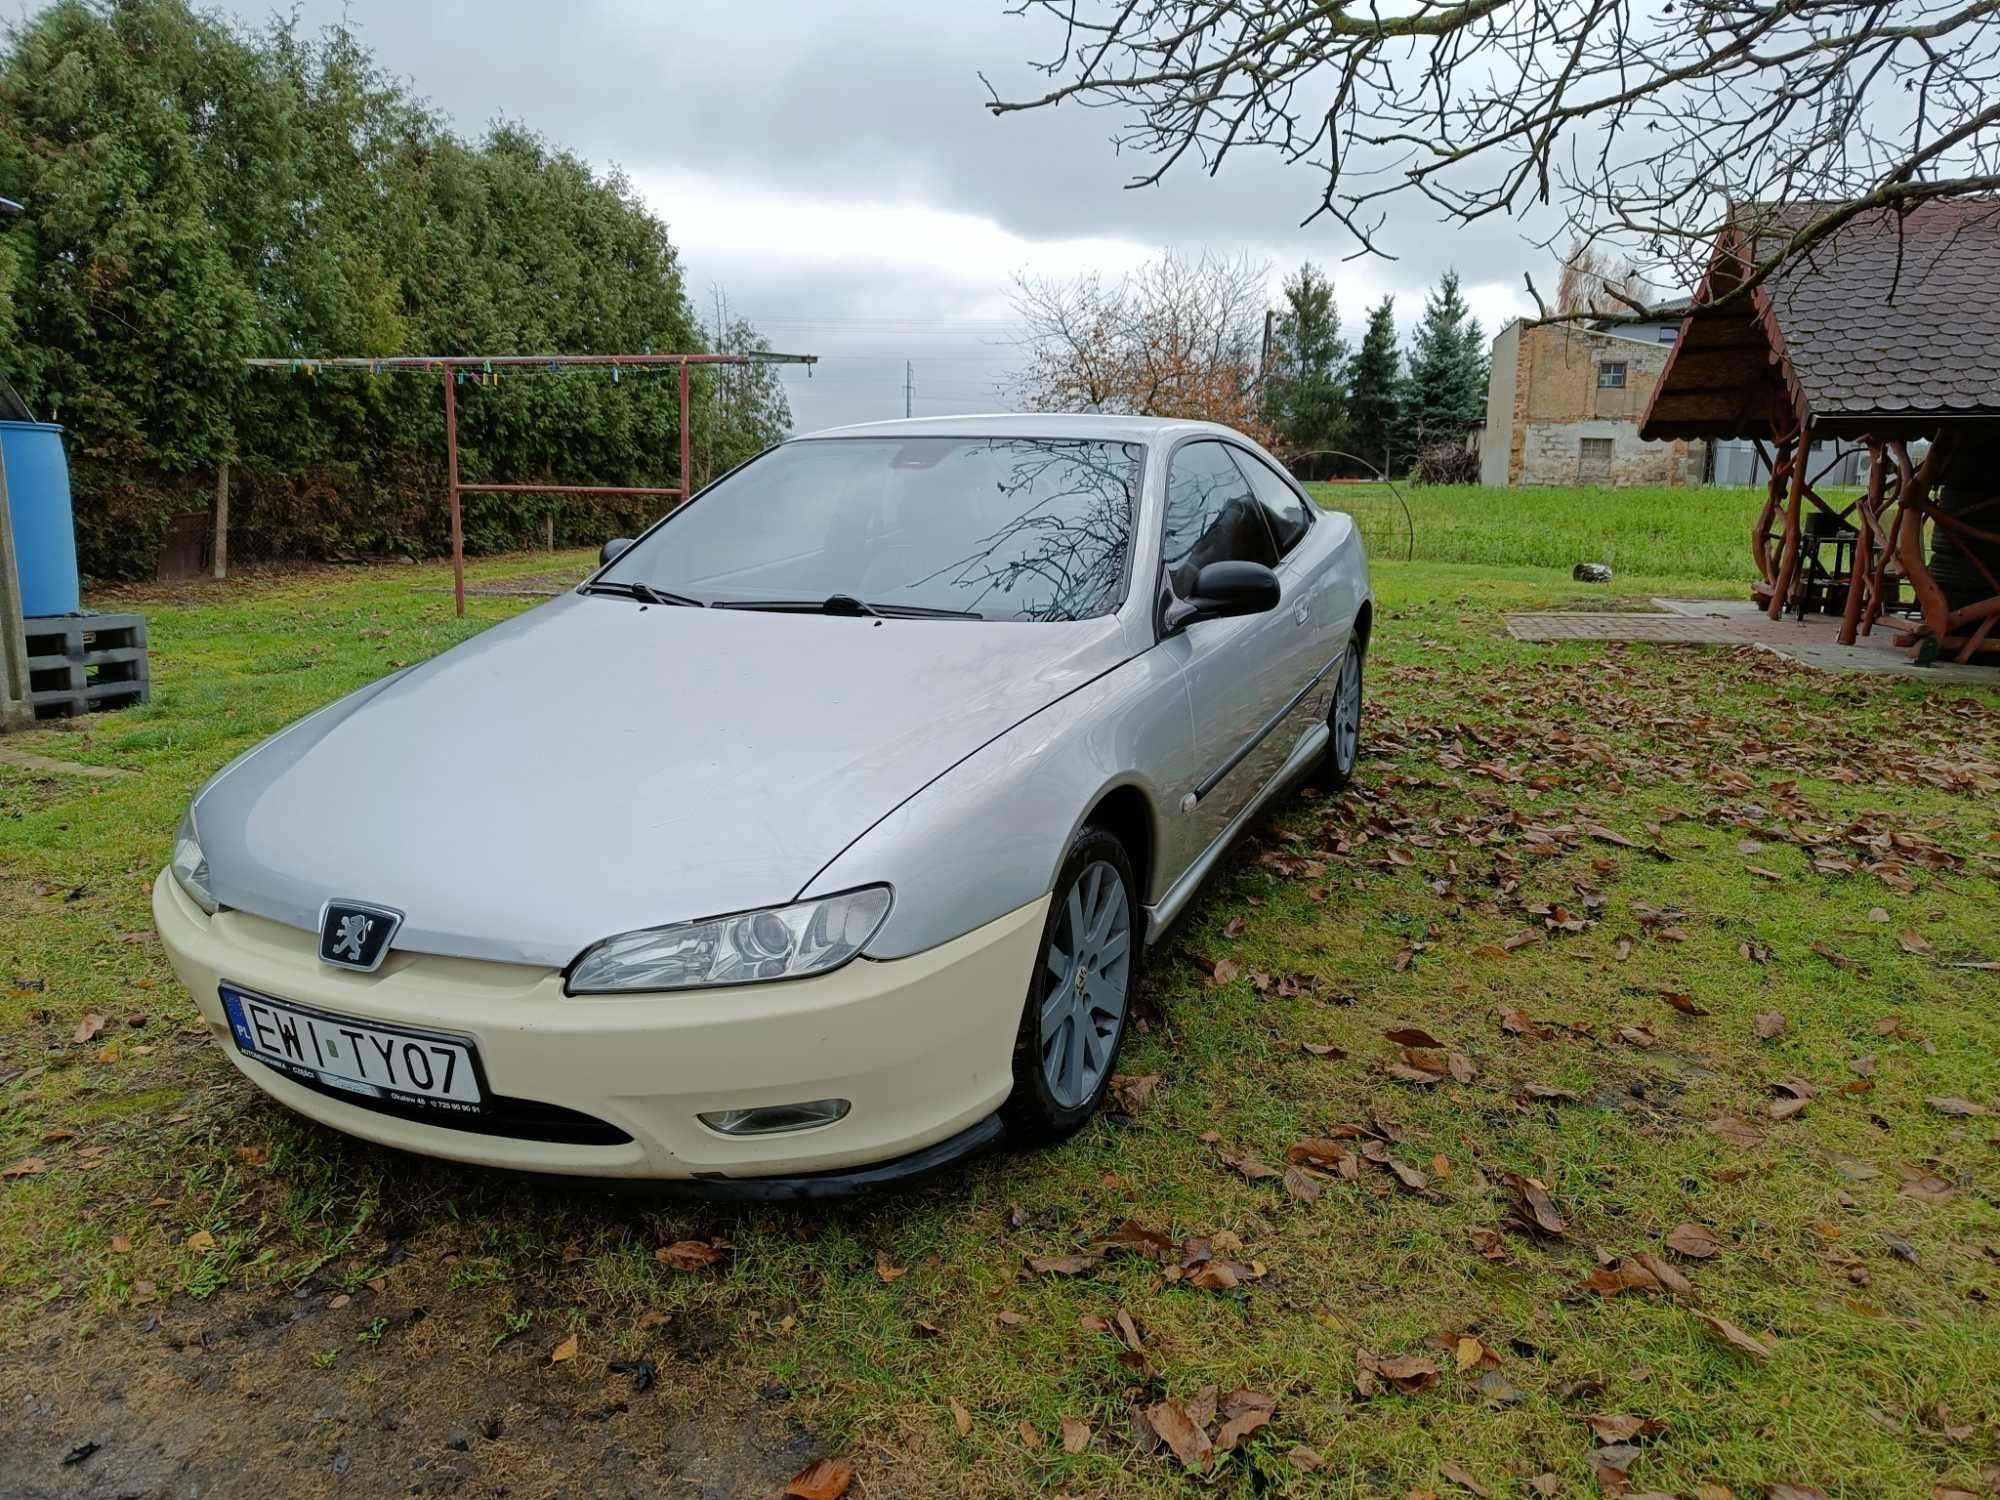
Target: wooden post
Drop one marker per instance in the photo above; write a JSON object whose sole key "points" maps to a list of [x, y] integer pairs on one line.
{"points": [[451, 469], [1788, 546], [17, 705], [1864, 549], [548, 531], [222, 521]]}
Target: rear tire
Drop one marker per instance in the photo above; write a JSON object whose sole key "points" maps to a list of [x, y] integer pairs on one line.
{"points": [[1080, 994], [1343, 722]]}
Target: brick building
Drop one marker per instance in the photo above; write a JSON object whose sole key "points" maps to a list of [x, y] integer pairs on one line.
{"points": [[1563, 405]]}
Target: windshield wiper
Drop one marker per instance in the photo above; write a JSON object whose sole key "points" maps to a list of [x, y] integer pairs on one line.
{"points": [[645, 593], [847, 604]]}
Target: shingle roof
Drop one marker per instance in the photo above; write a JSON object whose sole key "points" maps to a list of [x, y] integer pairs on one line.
{"points": [[1893, 322], [1897, 314]]}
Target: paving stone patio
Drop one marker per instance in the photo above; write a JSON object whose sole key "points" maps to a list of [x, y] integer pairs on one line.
{"points": [[1730, 622]]}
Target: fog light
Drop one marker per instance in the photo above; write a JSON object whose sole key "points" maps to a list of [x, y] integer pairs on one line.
{"points": [[770, 1119]]}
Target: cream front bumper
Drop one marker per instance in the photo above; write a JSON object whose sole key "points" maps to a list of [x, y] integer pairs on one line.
{"points": [[921, 1046]]}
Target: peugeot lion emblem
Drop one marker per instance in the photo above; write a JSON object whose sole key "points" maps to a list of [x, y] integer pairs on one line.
{"points": [[356, 934]]}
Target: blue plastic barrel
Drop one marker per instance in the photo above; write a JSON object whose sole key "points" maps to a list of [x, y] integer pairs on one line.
{"points": [[38, 505]]}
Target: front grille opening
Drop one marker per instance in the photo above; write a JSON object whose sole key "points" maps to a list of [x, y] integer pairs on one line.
{"points": [[514, 1119]]}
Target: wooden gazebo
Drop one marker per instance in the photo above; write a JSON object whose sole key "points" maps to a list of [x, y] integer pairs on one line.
{"points": [[1886, 334]]}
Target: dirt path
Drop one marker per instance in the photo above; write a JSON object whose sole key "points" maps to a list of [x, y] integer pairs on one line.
{"points": [[226, 1400]]}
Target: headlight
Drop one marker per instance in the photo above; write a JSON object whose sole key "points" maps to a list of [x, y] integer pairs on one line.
{"points": [[190, 865], [752, 947]]}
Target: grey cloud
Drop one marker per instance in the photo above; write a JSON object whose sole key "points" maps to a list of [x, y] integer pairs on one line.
{"points": [[865, 101]]}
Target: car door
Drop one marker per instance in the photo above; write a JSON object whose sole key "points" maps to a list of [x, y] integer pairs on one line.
{"points": [[1319, 595], [1238, 671]]}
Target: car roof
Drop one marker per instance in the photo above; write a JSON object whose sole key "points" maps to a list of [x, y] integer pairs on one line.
{"points": [[1073, 426]]}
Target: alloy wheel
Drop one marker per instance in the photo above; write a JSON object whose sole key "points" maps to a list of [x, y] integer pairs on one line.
{"points": [[1089, 963]]}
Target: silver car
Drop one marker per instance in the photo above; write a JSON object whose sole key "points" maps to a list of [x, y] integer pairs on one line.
{"points": [[815, 840]]}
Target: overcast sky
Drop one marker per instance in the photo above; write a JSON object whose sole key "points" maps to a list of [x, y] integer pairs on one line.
{"points": [[831, 167]]}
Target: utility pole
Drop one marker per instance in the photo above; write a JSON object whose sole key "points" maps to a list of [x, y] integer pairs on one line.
{"points": [[909, 377], [1264, 359]]}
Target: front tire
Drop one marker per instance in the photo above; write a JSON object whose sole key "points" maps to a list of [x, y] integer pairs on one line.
{"points": [[1080, 994]]}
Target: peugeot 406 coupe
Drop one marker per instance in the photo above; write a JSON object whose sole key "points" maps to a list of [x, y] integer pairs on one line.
{"points": [[814, 840]]}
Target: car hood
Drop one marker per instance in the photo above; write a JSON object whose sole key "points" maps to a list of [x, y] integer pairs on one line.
{"points": [[593, 767]]}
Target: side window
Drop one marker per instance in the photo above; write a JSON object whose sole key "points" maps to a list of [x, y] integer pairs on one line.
{"points": [[1283, 508], [1211, 516]]}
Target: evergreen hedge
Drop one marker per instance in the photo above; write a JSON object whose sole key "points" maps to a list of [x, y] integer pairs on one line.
{"points": [[198, 192]]}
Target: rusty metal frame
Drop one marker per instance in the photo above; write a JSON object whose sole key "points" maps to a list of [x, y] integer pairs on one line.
{"points": [[453, 366]]}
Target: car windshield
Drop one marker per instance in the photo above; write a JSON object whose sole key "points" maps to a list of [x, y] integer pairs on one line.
{"points": [[999, 528]]}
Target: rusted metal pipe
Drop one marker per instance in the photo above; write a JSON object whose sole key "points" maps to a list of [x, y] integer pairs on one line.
{"points": [[568, 489], [451, 471]]}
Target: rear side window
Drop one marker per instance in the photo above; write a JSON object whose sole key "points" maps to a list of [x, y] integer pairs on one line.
{"points": [[1212, 516], [1283, 509]]}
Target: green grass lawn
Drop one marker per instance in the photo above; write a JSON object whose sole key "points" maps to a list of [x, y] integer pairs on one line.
{"points": [[1698, 532], [1593, 875]]}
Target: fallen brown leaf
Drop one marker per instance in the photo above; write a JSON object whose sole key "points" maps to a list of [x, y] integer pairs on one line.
{"points": [[1131, 1094], [1488, 1243], [1738, 1132], [1924, 1185], [822, 1479], [1950, 1106], [961, 1419], [1457, 1475], [27, 1166], [1075, 1435], [688, 1255], [887, 1269], [564, 1352], [1696, 1241], [1670, 1280], [1769, 1023], [1243, 1412], [1735, 1337], [1410, 1373], [1531, 1205], [1188, 1442], [1075, 1264], [1616, 1427], [1134, 1237]]}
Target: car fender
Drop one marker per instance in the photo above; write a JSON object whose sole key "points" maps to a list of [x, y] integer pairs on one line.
{"points": [[988, 835]]}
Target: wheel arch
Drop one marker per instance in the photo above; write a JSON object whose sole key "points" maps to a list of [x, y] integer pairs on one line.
{"points": [[1128, 814]]}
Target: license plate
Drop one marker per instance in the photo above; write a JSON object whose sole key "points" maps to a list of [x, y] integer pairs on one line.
{"points": [[393, 1064]]}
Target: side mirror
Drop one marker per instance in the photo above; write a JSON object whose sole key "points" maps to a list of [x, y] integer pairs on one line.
{"points": [[612, 548], [1223, 589]]}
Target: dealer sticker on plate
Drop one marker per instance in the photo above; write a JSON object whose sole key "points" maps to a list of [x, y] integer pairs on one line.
{"points": [[360, 1057]]}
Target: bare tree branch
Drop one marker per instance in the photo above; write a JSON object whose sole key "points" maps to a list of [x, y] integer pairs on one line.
{"points": [[1644, 130]]}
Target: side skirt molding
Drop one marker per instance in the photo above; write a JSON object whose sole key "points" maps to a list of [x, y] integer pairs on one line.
{"points": [[1161, 914]]}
